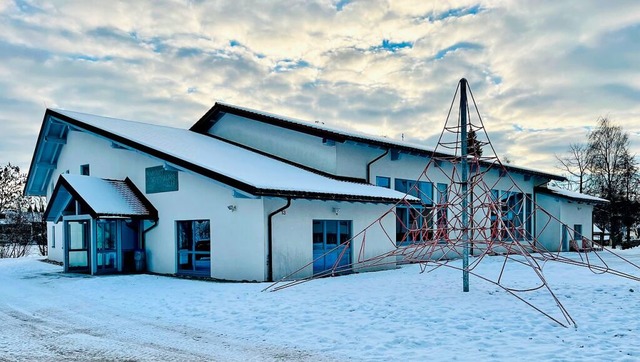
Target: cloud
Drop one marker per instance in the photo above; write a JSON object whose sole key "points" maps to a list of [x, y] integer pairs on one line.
{"points": [[540, 71]]}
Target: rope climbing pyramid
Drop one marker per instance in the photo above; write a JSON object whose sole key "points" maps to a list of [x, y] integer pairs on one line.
{"points": [[471, 207]]}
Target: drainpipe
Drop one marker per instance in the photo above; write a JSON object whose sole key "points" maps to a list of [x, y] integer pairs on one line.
{"points": [[371, 162], [270, 239]]}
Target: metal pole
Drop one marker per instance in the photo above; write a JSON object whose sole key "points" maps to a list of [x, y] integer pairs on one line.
{"points": [[464, 184]]}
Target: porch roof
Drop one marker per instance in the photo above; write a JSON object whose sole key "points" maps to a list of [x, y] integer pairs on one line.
{"points": [[100, 197]]}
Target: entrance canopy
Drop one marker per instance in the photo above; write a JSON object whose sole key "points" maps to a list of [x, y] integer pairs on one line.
{"points": [[100, 198]]}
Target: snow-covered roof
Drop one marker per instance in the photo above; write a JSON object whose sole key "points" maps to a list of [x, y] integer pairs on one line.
{"points": [[232, 165], [573, 195], [101, 197], [107, 197], [356, 136]]}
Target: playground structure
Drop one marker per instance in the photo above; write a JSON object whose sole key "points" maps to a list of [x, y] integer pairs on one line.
{"points": [[476, 210]]}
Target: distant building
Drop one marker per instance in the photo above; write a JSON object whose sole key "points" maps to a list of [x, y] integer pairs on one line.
{"points": [[242, 195]]}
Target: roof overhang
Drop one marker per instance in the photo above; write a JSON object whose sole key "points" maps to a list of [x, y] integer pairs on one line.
{"points": [[51, 140], [571, 196], [100, 198], [56, 127]]}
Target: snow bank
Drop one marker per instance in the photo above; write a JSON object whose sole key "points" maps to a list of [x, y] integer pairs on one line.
{"points": [[390, 315]]}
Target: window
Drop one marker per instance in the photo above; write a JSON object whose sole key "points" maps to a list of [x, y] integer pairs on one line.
{"points": [[442, 206], [529, 218], [53, 236], [383, 181], [414, 224], [194, 247], [84, 170], [507, 216], [420, 189]]}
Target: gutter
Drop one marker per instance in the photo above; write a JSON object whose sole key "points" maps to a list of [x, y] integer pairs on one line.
{"points": [[270, 239], [371, 162]]}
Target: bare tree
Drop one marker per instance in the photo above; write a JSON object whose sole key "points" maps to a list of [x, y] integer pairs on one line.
{"points": [[576, 165], [612, 171]]}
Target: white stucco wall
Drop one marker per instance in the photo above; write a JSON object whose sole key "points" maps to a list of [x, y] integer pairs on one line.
{"points": [[198, 198], [55, 253], [570, 213], [295, 146], [293, 232]]}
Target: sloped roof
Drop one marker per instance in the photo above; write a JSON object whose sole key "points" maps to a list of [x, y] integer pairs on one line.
{"points": [[339, 135], [101, 198], [571, 195], [244, 170]]}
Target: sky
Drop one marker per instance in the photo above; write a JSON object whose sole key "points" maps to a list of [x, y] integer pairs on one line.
{"points": [[541, 72]]}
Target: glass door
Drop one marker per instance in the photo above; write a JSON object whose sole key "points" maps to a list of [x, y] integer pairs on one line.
{"points": [[331, 251], [106, 246], [78, 252]]}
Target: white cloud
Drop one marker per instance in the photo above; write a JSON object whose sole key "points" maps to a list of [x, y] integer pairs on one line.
{"points": [[379, 66]]}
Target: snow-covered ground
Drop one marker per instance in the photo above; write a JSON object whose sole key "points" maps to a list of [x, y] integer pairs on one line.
{"points": [[399, 315]]}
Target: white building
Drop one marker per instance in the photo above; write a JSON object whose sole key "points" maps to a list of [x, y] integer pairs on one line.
{"points": [[242, 195]]}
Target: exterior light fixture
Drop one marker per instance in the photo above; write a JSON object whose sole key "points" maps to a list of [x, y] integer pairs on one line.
{"points": [[232, 208], [336, 210]]}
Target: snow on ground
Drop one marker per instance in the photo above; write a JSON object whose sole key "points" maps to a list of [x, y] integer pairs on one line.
{"points": [[399, 315]]}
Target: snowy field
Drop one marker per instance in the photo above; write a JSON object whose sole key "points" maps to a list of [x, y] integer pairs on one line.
{"points": [[398, 315]]}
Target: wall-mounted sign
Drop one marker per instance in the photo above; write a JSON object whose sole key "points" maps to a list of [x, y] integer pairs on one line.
{"points": [[157, 179]]}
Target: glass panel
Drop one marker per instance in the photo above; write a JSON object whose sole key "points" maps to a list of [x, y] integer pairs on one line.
{"points": [[332, 232], [345, 231], [442, 208], [78, 259], [402, 220], [426, 192], [383, 181], [317, 232], [185, 236], [402, 185], [77, 240], [185, 261]]}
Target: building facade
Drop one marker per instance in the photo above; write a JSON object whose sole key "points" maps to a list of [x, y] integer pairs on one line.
{"points": [[243, 195]]}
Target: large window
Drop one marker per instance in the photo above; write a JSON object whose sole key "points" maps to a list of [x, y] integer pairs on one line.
{"points": [[508, 216], [414, 224], [194, 247]]}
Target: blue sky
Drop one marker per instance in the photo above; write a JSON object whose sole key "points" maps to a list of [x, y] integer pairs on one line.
{"points": [[541, 71]]}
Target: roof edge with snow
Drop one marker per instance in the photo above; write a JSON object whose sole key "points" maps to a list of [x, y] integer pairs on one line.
{"points": [[44, 161], [571, 195], [216, 112]]}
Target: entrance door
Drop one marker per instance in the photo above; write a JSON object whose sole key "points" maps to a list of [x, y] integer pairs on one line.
{"points": [[330, 250], [106, 246], [78, 253]]}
